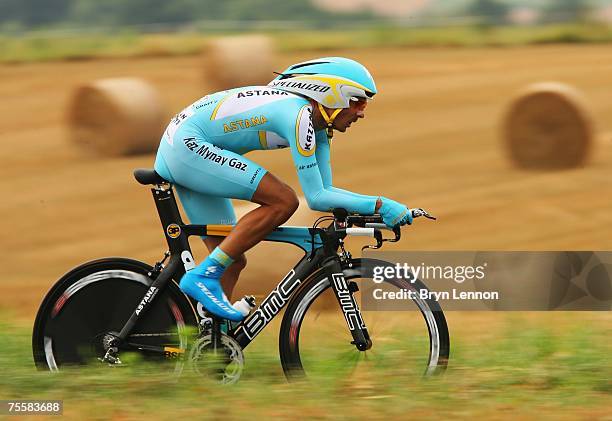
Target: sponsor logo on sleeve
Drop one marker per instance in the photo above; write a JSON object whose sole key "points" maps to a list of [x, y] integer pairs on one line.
{"points": [[304, 132], [306, 167]]}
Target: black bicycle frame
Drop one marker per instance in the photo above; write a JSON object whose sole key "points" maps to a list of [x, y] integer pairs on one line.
{"points": [[279, 297], [321, 257]]}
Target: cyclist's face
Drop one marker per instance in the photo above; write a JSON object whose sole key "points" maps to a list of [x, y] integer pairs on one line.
{"points": [[348, 116]]}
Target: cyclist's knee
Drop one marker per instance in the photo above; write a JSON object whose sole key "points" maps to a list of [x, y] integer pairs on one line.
{"points": [[290, 200], [280, 199], [287, 204]]}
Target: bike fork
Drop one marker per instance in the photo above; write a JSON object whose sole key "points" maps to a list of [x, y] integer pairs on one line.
{"points": [[344, 293]]}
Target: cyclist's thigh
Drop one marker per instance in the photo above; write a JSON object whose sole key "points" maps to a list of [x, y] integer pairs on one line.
{"points": [[203, 209], [202, 167]]}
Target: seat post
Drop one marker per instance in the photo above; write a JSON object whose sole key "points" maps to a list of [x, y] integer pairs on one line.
{"points": [[170, 219]]}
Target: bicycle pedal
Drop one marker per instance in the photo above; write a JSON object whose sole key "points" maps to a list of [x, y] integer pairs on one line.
{"points": [[111, 358], [206, 322]]}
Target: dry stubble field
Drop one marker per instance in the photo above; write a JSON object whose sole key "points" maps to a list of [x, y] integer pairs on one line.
{"points": [[430, 139]]}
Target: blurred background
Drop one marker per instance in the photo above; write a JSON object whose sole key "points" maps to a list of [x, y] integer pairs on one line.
{"points": [[88, 86]]}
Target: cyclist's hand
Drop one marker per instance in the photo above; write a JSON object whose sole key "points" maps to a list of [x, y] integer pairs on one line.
{"points": [[394, 213]]}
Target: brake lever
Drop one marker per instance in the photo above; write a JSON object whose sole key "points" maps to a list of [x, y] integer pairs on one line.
{"points": [[398, 234], [396, 230], [379, 241]]}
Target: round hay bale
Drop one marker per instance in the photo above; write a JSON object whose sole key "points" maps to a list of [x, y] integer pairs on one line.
{"points": [[235, 61], [115, 117], [548, 126]]}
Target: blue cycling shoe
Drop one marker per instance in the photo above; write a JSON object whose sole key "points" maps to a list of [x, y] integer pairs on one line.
{"points": [[203, 284]]}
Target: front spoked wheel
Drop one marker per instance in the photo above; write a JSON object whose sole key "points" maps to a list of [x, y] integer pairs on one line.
{"points": [[315, 340], [78, 316]]}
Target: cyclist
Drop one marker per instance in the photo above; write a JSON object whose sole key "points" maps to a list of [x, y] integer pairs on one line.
{"points": [[202, 150]]}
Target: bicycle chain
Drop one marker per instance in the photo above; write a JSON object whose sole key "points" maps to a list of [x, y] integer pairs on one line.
{"points": [[152, 334]]}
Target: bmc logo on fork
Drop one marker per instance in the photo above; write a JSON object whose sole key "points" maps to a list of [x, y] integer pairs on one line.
{"points": [[348, 304]]}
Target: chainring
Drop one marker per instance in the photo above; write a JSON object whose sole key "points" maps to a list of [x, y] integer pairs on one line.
{"points": [[224, 364]]}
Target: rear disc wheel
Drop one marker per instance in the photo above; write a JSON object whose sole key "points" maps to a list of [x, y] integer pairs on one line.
{"points": [[78, 317]]}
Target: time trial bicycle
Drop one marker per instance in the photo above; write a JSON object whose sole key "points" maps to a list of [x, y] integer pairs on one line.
{"points": [[105, 309]]}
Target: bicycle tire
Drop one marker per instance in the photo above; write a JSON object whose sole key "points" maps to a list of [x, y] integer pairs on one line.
{"points": [[97, 297], [317, 284]]}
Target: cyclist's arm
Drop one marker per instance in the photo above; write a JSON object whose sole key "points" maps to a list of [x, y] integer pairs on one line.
{"points": [[324, 162], [302, 142]]}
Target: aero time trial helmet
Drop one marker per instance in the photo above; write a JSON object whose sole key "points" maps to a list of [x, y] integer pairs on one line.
{"points": [[331, 81]]}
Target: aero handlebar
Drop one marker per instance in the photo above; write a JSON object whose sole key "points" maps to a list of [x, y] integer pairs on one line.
{"points": [[371, 225]]}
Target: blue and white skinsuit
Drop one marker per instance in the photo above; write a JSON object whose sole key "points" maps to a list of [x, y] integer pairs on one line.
{"points": [[202, 150]]}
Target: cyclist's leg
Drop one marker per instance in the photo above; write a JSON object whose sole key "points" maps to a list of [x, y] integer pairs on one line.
{"points": [[203, 209], [277, 203], [243, 179], [253, 227], [217, 172], [231, 274]]}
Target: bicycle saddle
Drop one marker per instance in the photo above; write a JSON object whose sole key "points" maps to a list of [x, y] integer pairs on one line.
{"points": [[148, 176]]}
